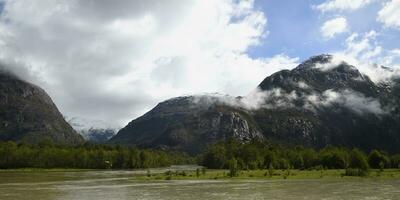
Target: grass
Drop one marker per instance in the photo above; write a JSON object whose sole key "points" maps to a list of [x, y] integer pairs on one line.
{"points": [[214, 174], [46, 170], [278, 174]]}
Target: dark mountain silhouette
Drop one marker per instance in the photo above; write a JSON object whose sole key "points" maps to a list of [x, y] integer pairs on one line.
{"points": [[318, 103], [190, 124], [27, 114]]}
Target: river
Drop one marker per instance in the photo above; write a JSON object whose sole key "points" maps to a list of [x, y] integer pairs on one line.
{"points": [[109, 185]]}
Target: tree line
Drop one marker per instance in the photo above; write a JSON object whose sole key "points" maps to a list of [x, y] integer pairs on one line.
{"points": [[223, 155], [88, 156], [263, 156]]}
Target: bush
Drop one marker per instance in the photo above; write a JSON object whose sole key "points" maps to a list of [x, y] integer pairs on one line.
{"points": [[395, 161], [271, 171], [377, 160], [233, 168], [358, 160], [356, 172]]}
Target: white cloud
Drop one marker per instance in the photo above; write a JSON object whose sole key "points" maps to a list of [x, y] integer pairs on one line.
{"points": [[364, 52], [354, 101], [114, 60], [342, 5], [279, 99], [389, 15], [333, 27]]}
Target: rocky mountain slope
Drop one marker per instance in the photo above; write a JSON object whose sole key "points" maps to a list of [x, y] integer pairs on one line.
{"points": [[330, 103], [29, 115], [320, 102], [190, 124]]}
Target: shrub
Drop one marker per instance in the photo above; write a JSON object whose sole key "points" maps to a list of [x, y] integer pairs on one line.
{"points": [[376, 159], [358, 160], [356, 172]]}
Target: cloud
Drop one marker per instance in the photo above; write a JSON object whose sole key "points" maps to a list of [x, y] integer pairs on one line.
{"points": [[334, 26], [365, 53], [333, 62], [342, 5], [352, 100], [256, 99], [113, 61], [279, 99], [389, 15]]}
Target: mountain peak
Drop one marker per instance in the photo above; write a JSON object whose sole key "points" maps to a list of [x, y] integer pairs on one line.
{"points": [[327, 62], [312, 61], [322, 101], [321, 73], [28, 114]]}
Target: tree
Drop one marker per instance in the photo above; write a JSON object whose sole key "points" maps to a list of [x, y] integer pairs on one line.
{"points": [[215, 157], [310, 158], [269, 159], [250, 156], [296, 160], [233, 168], [358, 160], [334, 159], [377, 160], [271, 171], [395, 161]]}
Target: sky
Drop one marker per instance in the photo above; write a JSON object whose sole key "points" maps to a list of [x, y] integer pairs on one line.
{"points": [[104, 63]]}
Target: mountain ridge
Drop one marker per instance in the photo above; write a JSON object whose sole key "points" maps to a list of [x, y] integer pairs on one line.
{"points": [[28, 114], [320, 102]]}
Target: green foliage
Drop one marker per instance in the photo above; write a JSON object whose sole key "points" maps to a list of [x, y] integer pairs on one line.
{"points": [[271, 171], [334, 158], [310, 158], [377, 160], [395, 161], [88, 156], [233, 168], [203, 171], [269, 159], [197, 172], [358, 160], [215, 157], [265, 156], [355, 172]]}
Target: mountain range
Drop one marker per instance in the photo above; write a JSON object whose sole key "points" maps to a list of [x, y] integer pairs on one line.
{"points": [[320, 102]]}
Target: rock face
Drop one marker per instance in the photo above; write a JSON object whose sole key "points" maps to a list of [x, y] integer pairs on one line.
{"points": [[334, 104], [189, 124], [320, 102], [28, 114]]}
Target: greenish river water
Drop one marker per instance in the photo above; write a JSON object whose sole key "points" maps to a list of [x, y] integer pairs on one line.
{"points": [[109, 185]]}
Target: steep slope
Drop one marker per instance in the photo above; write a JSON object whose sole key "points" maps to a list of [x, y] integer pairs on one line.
{"points": [[323, 101], [28, 114], [189, 124], [333, 104], [319, 74]]}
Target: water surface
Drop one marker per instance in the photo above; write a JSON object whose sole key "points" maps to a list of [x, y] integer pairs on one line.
{"points": [[109, 185]]}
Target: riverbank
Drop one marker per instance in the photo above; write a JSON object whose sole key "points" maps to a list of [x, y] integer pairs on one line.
{"points": [[265, 174], [174, 173]]}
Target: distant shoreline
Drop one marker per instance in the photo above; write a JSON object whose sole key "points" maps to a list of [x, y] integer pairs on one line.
{"points": [[217, 174]]}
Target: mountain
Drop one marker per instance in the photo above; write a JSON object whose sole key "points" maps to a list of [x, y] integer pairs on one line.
{"points": [[323, 101], [95, 131], [27, 114], [97, 135], [189, 123], [333, 104]]}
